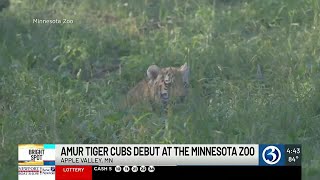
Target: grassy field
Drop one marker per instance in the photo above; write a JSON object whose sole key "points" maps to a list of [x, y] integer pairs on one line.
{"points": [[255, 73]]}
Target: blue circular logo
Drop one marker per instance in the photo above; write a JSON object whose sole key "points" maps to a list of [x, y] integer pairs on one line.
{"points": [[271, 155]]}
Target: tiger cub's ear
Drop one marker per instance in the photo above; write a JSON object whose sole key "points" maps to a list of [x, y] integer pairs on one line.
{"points": [[153, 71], [184, 69]]}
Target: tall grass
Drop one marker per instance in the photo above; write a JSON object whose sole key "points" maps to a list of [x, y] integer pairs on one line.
{"points": [[61, 83]]}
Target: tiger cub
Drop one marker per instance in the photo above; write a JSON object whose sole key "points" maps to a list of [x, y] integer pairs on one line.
{"points": [[161, 86]]}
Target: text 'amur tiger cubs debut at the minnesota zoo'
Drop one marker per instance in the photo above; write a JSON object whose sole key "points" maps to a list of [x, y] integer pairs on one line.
{"points": [[162, 86]]}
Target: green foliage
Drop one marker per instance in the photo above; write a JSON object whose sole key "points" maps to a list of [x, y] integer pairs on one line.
{"points": [[4, 4], [61, 83]]}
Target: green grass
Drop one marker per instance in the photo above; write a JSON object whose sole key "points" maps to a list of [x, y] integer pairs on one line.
{"points": [[61, 83]]}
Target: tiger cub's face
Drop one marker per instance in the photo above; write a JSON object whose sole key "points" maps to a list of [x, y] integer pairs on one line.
{"points": [[162, 85]]}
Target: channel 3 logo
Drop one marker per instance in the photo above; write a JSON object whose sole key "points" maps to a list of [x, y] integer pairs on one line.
{"points": [[271, 155]]}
